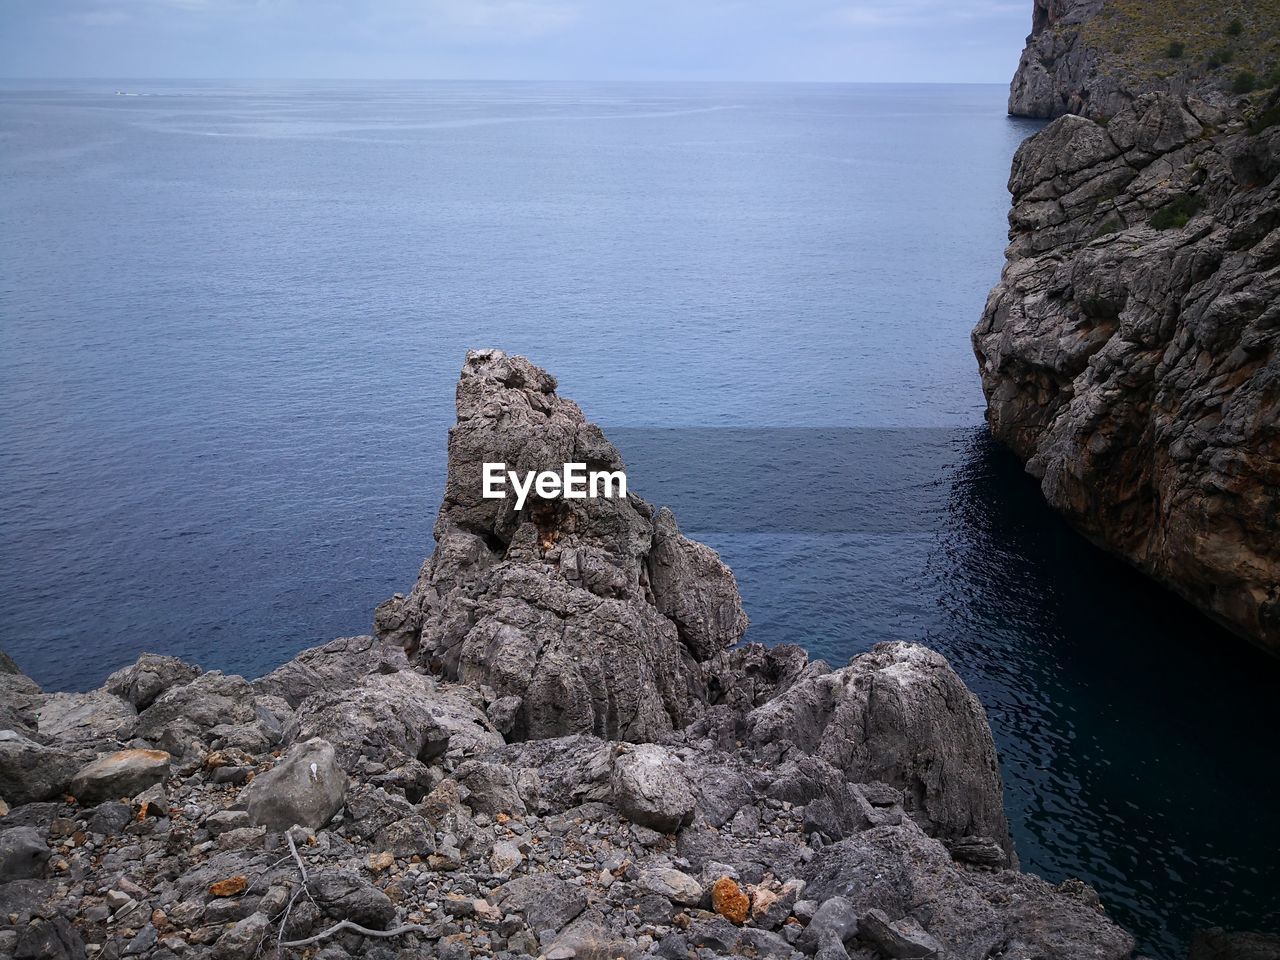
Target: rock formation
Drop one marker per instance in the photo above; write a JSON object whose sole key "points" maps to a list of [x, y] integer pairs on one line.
{"points": [[899, 715], [522, 602], [358, 803], [1129, 353], [1094, 57], [1056, 72]]}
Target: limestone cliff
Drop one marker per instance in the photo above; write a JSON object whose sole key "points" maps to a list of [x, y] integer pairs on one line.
{"points": [[1092, 57], [1131, 352]]}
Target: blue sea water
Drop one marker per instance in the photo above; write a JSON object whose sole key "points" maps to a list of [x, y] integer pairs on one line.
{"points": [[232, 315]]}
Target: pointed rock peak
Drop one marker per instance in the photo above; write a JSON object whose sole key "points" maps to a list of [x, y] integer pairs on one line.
{"points": [[591, 611]]}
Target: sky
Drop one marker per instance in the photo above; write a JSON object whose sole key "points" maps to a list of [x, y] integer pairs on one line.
{"points": [[973, 41]]}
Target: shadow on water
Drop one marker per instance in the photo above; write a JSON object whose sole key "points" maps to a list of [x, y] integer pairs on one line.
{"points": [[1136, 735]]}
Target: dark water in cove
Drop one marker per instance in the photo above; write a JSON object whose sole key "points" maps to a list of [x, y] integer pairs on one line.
{"points": [[231, 317]]}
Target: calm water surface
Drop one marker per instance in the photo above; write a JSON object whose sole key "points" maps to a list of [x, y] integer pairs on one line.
{"points": [[231, 317]]}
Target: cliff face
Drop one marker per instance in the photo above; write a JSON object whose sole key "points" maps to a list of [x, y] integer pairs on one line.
{"points": [[1057, 66], [1092, 57], [1129, 353]]}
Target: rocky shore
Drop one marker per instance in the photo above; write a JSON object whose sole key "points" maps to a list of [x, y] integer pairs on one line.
{"points": [[553, 746]]}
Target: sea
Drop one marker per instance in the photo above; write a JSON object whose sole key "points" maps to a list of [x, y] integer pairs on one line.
{"points": [[232, 315]]}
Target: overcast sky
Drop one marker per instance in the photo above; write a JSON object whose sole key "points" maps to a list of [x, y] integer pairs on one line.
{"points": [[858, 40]]}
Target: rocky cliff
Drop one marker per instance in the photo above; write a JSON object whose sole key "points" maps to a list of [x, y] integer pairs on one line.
{"points": [[1130, 354], [571, 761], [1093, 57]]}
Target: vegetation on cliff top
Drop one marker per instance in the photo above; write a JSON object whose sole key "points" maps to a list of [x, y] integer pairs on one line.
{"points": [[1221, 40]]}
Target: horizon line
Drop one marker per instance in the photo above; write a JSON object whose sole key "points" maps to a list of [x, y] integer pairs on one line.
{"points": [[146, 79]]}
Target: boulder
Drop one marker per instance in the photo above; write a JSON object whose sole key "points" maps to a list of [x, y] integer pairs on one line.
{"points": [[725, 939], [306, 787], [979, 851], [491, 788], [92, 718], [143, 681], [505, 857], [752, 674], [110, 818], [895, 869], [243, 939], [770, 908], [20, 699], [336, 665], [544, 901], [23, 854], [52, 938], [833, 807], [345, 895], [900, 715], [152, 802], [557, 774], [675, 885], [370, 809], [650, 788], [31, 771], [834, 919], [722, 790], [694, 589], [124, 773], [187, 713], [395, 719], [730, 900], [902, 939]]}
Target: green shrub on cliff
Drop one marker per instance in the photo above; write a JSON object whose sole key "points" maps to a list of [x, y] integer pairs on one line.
{"points": [[1109, 226], [1268, 115], [1235, 28], [1220, 57], [1245, 82], [1175, 50], [1177, 213], [1133, 38]]}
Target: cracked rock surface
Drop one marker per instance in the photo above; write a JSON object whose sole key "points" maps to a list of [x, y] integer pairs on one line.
{"points": [[1094, 57], [1129, 353]]}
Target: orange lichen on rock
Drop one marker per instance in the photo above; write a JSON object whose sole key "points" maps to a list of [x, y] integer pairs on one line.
{"points": [[230, 887], [729, 900]]}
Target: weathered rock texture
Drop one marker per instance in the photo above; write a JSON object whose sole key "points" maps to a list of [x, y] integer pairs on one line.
{"points": [[656, 795], [1093, 57], [592, 613], [900, 715], [1129, 353]]}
